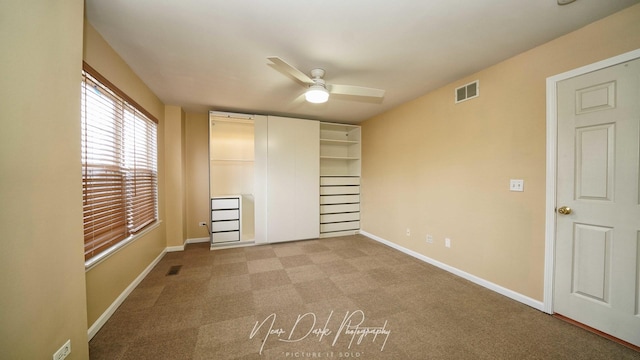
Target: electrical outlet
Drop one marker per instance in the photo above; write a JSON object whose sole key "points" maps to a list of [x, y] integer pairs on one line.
{"points": [[429, 239], [447, 242], [63, 352], [202, 223], [516, 185], [408, 232]]}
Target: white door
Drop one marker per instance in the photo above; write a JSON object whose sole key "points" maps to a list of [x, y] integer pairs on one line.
{"points": [[293, 179], [597, 247]]}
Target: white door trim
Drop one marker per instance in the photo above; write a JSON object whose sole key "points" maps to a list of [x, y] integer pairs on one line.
{"points": [[552, 142]]}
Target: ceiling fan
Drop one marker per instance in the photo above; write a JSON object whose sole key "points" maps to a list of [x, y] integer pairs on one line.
{"points": [[318, 91]]}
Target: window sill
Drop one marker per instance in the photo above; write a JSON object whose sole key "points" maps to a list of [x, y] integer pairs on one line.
{"points": [[89, 264]]}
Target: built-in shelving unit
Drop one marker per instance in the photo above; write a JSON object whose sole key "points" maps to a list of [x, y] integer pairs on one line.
{"points": [[339, 179], [231, 177], [339, 150]]}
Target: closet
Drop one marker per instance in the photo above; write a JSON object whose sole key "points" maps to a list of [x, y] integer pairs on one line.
{"points": [[275, 179], [339, 179], [235, 177]]}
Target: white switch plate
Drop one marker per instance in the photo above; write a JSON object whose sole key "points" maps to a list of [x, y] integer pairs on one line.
{"points": [[447, 242], [429, 239], [516, 185]]}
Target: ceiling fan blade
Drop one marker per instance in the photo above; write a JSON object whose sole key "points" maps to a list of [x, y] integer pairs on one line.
{"points": [[356, 91], [291, 70]]}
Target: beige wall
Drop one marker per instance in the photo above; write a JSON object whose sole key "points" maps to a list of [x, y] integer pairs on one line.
{"points": [[183, 188], [443, 169], [42, 262], [107, 280], [175, 175], [197, 168]]}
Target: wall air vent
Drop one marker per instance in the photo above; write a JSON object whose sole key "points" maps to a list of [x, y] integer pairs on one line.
{"points": [[468, 91]]}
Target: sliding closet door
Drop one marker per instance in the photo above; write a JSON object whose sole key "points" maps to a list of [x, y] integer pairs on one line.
{"points": [[293, 176]]}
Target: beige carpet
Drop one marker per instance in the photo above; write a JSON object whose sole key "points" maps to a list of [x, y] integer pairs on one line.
{"points": [[337, 298]]}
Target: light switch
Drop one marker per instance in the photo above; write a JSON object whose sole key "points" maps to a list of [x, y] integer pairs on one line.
{"points": [[516, 185]]}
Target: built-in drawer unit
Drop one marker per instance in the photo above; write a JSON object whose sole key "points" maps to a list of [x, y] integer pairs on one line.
{"points": [[341, 217], [226, 236], [340, 190], [339, 208], [225, 203], [339, 205], [231, 225], [340, 227], [225, 219], [339, 180], [339, 199], [222, 215]]}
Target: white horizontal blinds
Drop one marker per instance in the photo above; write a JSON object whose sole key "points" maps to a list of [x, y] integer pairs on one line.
{"points": [[142, 169], [119, 167], [103, 181]]}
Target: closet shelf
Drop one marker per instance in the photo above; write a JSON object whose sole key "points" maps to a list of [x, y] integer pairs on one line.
{"points": [[337, 142], [339, 158]]}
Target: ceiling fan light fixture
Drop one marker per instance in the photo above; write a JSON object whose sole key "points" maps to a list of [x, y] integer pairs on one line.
{"points": [[317, 94]]}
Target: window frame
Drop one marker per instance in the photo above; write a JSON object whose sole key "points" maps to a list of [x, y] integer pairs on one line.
{"points": [[130, 113]]}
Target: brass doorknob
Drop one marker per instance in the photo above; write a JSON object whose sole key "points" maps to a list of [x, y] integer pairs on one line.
{"points": [[565, 210]]}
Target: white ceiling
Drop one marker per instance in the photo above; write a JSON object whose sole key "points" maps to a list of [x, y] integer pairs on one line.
{"points": [[212, 54]]}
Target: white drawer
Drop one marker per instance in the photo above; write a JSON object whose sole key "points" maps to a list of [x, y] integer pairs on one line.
{"points": [[339, 190], [352, 225], [225, 225], [340, 208], [339, 199], [226, 236], [338, 233], [329, 218], [337, 181], [225, 215], [226, 203]]}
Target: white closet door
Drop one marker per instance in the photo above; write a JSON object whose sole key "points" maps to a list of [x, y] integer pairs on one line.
{"points": [[293, 179], [260, 189]]}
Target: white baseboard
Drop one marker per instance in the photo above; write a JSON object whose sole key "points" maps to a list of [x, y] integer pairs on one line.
{"points": [[539, 305], [97, 325], [187, 242], [197, 240], [174, 248]]}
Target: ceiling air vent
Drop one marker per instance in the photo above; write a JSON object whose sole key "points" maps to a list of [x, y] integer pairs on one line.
{"points": [[468, 91]]}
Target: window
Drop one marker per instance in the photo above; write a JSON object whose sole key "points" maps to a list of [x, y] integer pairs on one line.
{"points": [[119, 166]]}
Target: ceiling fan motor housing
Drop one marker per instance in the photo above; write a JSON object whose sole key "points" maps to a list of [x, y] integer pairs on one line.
{"points": [[317, 74], [319, 82]]}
